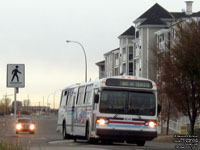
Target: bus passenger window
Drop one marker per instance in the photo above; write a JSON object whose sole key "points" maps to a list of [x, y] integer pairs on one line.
{"points": [[70, 98], [88, 94], [64, 98], [81, 94]]}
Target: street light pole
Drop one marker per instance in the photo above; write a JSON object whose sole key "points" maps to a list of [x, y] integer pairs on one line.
{"points": [[84, 55]]}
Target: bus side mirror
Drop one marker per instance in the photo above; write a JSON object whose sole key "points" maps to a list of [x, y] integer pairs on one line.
{"points": [[96, 98], [159, 107]]}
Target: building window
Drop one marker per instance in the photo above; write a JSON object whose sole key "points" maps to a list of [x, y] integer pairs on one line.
{"points": [[137, 50], [116, 59], [130, 68], [124, 41], [117, 56], [124, 68], [124, 54], [137, 34], [130, 53], [116, 71]]}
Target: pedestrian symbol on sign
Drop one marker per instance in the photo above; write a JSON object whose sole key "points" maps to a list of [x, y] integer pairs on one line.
{"points": [[15, 73]]}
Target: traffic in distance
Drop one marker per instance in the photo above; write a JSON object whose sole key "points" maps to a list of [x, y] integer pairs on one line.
{"points": [[113, 109]]}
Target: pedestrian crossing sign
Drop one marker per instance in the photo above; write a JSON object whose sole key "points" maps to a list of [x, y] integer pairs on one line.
{"points": [[16, 75]]}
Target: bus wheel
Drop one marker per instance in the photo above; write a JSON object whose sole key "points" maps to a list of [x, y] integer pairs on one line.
{"points": [[65, 136], [140, 143]]}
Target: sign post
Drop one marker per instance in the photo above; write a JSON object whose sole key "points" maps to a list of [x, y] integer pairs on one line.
{"points": [[16, 80]]}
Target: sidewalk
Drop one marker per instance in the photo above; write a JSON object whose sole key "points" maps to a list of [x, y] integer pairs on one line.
{"points": [[165, 138]]}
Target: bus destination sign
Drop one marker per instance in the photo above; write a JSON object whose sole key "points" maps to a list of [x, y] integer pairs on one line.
{"points": [[129, 83]]}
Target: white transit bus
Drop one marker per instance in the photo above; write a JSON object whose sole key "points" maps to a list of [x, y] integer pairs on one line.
{"points": [[120, 108]]}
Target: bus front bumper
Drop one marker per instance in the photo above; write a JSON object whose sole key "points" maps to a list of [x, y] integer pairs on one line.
{"points": [[126, 134]]}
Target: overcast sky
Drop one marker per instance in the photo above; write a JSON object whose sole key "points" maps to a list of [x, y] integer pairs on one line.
{"points": [[33, 32]]}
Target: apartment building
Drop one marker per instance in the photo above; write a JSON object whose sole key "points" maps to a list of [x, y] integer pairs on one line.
{"points": [[112, 63], [165, 37], [127, 51], [137, 45], [101, 66]]}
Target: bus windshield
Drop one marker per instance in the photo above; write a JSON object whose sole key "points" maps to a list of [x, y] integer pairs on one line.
{"points": [[128, 102]]}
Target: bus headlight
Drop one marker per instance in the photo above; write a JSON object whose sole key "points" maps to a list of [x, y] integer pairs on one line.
{"points": [[102, 122], [151, 124], [18, 126], [32, 127]]}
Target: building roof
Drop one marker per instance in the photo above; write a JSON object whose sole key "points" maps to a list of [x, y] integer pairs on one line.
{"points": [[129, 32], [100, 63], [111, 51], [197, 14], [178, 15], [156, 14], [158, 11], [153, 20]]}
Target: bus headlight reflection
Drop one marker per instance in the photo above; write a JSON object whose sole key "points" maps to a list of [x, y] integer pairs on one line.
{"points": [[151, 124], [102, 122]]}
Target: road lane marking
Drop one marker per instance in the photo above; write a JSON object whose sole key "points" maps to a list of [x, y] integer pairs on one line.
{"points": [[61, 141]]}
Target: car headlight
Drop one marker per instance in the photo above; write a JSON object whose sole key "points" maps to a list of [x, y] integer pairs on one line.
{"points": [[18, 126], [32, 127]]}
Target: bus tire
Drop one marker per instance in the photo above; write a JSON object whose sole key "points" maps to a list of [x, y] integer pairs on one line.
{"points": [[140, 143], [65, 136]]}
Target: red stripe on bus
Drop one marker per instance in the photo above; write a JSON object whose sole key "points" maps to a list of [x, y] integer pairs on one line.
{"points": [[125, 122]]}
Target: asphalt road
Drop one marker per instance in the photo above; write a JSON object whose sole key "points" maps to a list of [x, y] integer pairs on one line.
{"points": [[46, 138]]}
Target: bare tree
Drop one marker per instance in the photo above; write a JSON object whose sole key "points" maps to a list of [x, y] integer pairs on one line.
{"points": [[180, 70], [5, 102]]}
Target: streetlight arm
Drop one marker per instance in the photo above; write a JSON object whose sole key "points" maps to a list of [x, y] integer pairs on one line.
{"points": [[84, 56]]}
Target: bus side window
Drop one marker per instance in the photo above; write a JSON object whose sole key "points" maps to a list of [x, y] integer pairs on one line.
{"points": [[61, 99], [81, 95], [96, 92], [64, 98], [66, 94], [70, 98], [88, 94]]}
